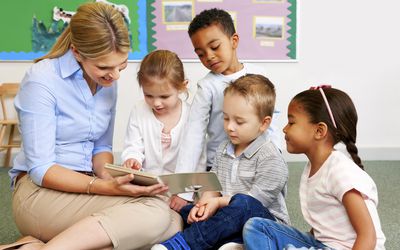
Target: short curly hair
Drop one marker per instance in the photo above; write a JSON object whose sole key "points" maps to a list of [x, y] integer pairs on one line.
{"points": [[210, 17]]}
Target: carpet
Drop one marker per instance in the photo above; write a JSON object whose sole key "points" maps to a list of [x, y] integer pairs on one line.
{"points": [[385, 174]]}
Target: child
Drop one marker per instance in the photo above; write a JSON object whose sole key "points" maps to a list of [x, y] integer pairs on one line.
{"points": [[250, 168], [156, 124], [215, 41], [338, 199]]}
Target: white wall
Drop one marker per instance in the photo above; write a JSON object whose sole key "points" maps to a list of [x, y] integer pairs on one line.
{"points": [[352, 45]]}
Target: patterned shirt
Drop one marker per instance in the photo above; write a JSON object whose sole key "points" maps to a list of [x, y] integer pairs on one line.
{"points": [[260, 171]]}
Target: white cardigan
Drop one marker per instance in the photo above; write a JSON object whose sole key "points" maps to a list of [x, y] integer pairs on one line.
{"points": [[143, 139]]}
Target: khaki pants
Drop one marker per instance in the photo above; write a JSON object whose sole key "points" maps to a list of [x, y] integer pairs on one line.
{"points": [[130, 223]]}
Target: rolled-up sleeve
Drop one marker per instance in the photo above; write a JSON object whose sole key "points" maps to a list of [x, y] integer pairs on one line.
{"points": [[36, 110]]}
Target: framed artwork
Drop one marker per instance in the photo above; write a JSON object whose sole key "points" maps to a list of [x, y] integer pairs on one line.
{"points": [[267, 28]]}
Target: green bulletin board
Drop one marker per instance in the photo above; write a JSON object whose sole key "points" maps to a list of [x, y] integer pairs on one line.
{"points": [[17, 19], [268, 27]]}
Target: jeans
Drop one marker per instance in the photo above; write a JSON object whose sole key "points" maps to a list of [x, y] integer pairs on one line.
{"points": [[259, 233], [225, 225]]}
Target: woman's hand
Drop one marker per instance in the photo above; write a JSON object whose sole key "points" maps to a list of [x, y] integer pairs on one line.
{"points": [[132, 163], [121, 186], [177, 203]]}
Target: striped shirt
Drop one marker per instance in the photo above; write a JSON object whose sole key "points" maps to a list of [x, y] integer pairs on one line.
{"points": [[321, 200], [260, 171]]}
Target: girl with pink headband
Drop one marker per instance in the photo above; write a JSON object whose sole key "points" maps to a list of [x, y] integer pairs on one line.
{"points": [[338, 198]]}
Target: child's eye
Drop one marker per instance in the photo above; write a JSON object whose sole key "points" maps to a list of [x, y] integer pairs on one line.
{"points": [[165, 97], [215, 47], [200, 55]]}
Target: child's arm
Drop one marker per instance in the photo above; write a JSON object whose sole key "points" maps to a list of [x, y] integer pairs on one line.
{"points": [[193, 143], [360, 219], [176, 203], [133, 143], [207, 206], [132, 163]]}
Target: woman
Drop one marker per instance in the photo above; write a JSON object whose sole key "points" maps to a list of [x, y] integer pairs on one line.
{"points": [[66, 107]]}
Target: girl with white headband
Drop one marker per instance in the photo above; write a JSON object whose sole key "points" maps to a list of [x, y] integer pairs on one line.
{"points": [[338, 198]]}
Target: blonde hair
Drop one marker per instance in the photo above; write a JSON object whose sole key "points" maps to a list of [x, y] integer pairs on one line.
{"points": [[258, 90], [163, 64], [96, 29]]}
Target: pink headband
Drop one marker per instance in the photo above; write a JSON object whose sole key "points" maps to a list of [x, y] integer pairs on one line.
{"points": [[321, 89]]}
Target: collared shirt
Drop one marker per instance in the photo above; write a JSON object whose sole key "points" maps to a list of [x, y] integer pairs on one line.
{"points": [[205, 127], [259, 171], [61, 121]]}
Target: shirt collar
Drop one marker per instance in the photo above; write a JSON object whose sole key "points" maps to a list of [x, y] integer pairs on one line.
{"points": [[250, 150], [68, 64]]}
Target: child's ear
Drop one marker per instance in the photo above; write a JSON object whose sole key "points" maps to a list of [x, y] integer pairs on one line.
{"points": [[185, 86], [266, 121], [235, 40], [321, 130]]}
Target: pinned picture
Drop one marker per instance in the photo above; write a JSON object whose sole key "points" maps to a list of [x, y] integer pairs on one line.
{"points": [[266, 27], [177, 12]]}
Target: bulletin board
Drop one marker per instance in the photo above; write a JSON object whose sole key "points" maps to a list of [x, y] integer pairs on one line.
{"points": [[267, 28]]}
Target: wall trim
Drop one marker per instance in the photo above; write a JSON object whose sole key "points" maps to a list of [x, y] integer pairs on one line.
{"points": [[366, 154]]}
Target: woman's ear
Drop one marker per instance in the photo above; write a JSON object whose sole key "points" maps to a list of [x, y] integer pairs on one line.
{"points": [[321, 130], [266, 121], [76, 53]]}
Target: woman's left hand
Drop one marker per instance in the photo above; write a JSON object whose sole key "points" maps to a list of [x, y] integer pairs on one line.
{"points": [[121, 186]]}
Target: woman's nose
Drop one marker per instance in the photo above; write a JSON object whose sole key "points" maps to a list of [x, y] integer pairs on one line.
{"points": [[114, 74]]}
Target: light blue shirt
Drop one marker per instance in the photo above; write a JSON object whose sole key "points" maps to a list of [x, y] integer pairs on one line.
{"points": [[205, 127], [61, 122]]}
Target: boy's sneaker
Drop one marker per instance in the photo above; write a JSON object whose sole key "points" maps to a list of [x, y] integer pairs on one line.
{"points": [[177, 242]]}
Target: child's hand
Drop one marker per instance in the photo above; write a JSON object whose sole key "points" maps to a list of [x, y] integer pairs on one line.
{"points": [[132, 163], [177, 203], [203, 210], [193, 214]]}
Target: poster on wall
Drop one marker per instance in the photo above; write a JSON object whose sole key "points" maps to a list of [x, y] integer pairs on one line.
{"points": [[267, 28]]}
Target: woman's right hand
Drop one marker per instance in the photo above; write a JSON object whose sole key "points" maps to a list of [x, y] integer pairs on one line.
{"points": [[121, 186]]}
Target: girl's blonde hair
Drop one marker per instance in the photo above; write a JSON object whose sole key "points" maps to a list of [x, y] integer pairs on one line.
{"points": [[96, 29], [163, 64]]}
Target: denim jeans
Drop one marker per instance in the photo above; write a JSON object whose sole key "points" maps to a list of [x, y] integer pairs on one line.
{"points": [[259, 233], [225, 225]]}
